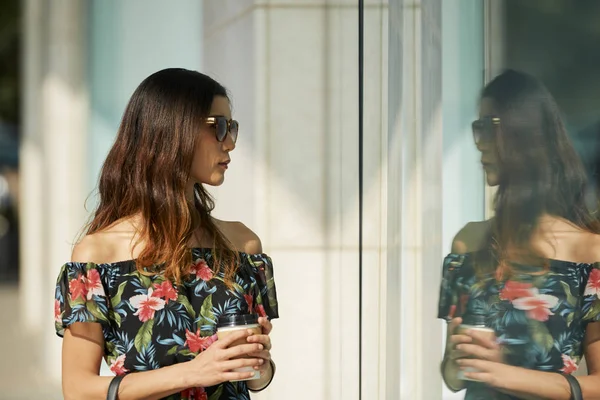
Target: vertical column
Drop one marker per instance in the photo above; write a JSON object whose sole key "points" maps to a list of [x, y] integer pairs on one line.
{"points": [[294, 174], [52, 154], [63, 132], [393, 284], [494, 38], [431, 163], [32, 249], [414, 197], [375, 149]]}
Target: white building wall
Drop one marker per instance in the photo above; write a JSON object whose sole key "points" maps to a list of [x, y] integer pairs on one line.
{"points": [[292, 68], [434, 183]]}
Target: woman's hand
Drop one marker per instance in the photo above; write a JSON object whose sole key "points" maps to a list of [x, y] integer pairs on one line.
{"points": [[452, 340], [215, 364], [265, 341], [449, 366], [482, 346], [495, 374]]}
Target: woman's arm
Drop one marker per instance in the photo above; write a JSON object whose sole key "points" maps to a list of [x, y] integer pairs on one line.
{"points": [[82, 355]]}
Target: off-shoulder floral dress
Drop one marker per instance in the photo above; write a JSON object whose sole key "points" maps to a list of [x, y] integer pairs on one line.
{"points": [[539, 317], [149, 323]]}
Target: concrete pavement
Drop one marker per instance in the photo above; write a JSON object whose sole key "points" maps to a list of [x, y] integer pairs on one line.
{"points": [[20, 376]]}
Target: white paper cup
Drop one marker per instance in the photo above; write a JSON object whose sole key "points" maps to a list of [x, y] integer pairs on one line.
{"points": [[231, 327], [460, 330]]}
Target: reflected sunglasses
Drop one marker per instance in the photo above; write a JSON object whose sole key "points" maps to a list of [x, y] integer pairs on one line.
{"points": [[223, 126], [484, 129]]}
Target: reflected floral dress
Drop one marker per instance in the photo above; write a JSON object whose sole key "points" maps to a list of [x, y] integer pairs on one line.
{"points": [[149, 323], [539, 316]]}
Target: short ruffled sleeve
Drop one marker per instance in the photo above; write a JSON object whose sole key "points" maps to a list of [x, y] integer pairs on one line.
{"points": [[80, 296], [266, 296], [453, 293], [591, 295]]}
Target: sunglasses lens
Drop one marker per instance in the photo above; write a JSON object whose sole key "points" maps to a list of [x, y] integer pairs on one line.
{"points": [[233, 130], [221, 128], [483, 130]]}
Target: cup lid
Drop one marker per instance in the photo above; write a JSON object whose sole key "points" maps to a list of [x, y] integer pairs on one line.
{"points": [[230, 320]]}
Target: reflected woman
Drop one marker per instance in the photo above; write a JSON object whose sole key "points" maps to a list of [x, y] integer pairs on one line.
{"points": [[531, 273]]}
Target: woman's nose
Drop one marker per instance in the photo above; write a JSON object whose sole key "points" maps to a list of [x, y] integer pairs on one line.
{"points": [[228, 143], [482, 146]]}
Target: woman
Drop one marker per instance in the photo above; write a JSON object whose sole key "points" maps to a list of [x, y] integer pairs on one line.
{"points": [[533, 269], [155, 271]]}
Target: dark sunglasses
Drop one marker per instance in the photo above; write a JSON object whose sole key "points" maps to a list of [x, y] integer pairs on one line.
{"points": [[484, 129], [223, 126]]}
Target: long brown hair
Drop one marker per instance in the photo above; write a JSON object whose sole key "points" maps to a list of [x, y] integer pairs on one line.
{"points": [[148, 168], [540, 171]]}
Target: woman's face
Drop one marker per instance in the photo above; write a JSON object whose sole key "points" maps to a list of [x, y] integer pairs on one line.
{"points": [[485, 140], [211, 157]]}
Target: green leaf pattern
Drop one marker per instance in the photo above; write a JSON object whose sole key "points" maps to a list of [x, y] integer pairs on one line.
{"points": [[144, 335]]}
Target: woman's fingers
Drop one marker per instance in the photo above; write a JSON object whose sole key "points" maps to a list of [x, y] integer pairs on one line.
{"points": [[458, 339], [454, 323], [484, 339], [241, 350], [265, 340], [241, 363], [266, 325], [474, 350], [265, 354], [236, 376]]}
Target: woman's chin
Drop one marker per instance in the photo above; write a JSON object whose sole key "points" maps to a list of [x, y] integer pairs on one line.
{"points": [[216, 181]]}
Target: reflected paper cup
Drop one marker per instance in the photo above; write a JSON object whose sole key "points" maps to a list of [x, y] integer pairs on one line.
{"points": [[229, 324], [460, 330]]}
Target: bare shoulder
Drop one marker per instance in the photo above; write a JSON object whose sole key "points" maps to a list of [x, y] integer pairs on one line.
{"points": [[590, 247], [242, 237], [92, 248], [471, 237], [114, 244]]}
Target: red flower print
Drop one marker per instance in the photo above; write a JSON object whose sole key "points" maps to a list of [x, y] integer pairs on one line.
{"points": [[250, 301], [537, 305], [513, 290], [464, 298], [165, 290], [452, 311], [93, 285], [260, 310], [593, 284], [57, 310], [194, 394], [77, 288], [201, 269], [569, 365], [196, 343], [118, 365], [146, 305]]}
